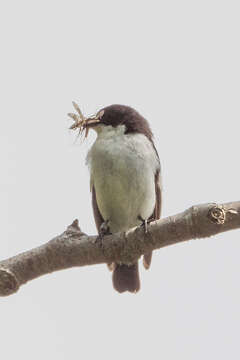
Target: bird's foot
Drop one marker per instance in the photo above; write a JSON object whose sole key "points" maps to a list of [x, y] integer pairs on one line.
{"points": [[104, 230], [145, 222]]}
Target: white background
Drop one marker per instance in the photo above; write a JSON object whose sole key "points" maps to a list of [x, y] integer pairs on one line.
{"points": [[177, 63]]}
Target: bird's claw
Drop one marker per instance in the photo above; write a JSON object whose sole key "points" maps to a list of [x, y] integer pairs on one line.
{"points": [[104, 230], [145, 223]]}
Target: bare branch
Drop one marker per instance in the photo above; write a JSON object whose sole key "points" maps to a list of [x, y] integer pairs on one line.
{"points": [[74, 248]]}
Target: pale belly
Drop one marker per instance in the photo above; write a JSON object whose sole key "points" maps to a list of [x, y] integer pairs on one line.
{"points": [[124, 183]]}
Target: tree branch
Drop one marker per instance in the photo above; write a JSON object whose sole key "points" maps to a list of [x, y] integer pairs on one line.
{"points": [[74, 248]]}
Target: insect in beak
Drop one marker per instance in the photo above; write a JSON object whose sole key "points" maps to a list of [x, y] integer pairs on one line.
{"points": [[82, 123]]}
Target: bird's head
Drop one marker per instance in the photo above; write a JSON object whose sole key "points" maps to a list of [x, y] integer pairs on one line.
{"points": [[113, 118]]}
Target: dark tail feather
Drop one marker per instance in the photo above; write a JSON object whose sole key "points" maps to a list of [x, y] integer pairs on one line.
{"points": [[147, 258], [126, 278]]}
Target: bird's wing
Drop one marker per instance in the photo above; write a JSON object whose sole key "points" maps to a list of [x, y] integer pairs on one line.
{"points": [[156, 214], [97, 215], [158, 191], [98, 218]]}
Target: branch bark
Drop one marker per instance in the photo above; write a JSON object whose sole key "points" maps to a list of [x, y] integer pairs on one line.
{"points": [[74, 248]]}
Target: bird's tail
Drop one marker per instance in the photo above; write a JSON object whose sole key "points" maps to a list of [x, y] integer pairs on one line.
{"points": [[126, 278]]}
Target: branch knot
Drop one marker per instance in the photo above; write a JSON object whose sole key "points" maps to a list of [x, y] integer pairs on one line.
{"points": [[8, 282], [218, 213]]}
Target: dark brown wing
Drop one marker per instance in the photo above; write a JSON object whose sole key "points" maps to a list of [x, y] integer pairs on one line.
{"points": [[98, 218], [97, 215], [158, 206], [156, 215]]}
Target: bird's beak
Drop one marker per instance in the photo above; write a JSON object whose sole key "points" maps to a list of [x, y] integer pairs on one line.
{"points": [[91, 122], [82, 123], [85, 123]]}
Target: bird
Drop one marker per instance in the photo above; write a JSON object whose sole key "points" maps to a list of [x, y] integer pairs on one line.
{"points": [[125, 179]]}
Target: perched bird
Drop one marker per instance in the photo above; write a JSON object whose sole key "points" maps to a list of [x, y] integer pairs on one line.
{"points": [[125, 179]]}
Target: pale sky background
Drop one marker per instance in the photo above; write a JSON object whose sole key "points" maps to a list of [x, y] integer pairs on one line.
{"points": [[177, 63]]}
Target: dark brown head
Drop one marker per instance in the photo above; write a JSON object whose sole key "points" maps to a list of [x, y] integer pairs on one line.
{"points": [[114, 116]]}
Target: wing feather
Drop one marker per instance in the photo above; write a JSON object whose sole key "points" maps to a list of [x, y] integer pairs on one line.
{"points": [[147, 258]]}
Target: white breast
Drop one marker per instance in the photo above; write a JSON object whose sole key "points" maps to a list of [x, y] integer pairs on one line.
{"points": [[122, 168]]}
